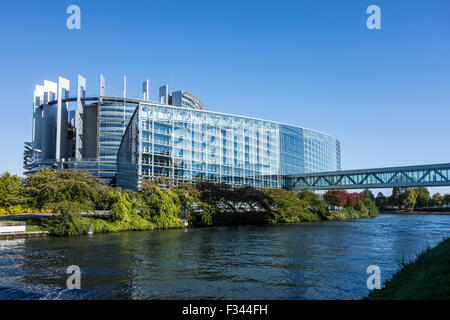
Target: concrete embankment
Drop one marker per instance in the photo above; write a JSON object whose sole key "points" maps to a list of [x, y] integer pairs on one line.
{"points": [[23, 235]]}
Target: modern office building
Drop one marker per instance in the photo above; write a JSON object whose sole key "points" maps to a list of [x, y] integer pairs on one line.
{"points": [[125, 141]]}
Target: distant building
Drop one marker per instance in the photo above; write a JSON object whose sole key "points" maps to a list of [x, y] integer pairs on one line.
{"points": [[125, 141]]}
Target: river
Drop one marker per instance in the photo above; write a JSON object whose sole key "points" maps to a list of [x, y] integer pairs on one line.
{"points": [[324, 260]]}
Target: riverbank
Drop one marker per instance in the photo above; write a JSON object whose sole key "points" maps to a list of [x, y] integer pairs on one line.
{"points": [[426, 278], [23, 235], [161, 205], [69, 224]]}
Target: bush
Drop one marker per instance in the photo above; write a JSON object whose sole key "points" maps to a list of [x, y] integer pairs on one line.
{"points": [[120, 207], [162, 207], [286, 207], [43, 189], [70, 207], [68, 224]]}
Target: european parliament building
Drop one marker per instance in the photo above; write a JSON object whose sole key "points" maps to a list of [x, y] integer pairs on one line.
{"points": [[125, 141]]}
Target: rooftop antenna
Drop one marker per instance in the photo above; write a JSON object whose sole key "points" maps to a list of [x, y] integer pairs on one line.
{"points": [[146, 90], [102, 85], [124, 86]]}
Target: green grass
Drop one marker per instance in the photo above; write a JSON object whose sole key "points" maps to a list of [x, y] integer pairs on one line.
{"points": [[34, 227], [426, 278]]}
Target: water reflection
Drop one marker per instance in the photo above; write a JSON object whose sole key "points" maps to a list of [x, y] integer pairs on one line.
{"points": [[326, 260]]}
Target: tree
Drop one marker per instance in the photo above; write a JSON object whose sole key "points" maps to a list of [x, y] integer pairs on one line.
{"points": [[286, 207], [10, 190], [159, 206], [368, 193], [394, 199], [353, 198], [423, 198], [120, 207], [408, 199], [218, 195], [249, 199], [44, 189], [447, 198], [437, 200], [314, 204], [335, 198], [381, 201]]}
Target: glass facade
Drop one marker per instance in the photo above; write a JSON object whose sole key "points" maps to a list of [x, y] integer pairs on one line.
{"points": [[321, 152], [124, 141], [185, 144], [291, 147], [113, 118]]}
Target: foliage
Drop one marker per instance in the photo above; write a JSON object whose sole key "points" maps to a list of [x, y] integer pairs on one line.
{"points": [[447, 199], [44, 188], [341, 198], [162, 207], [408, 199], [369, 194], [287, 207], [313, 203], [437, 200], [68, 206], [423, 198], [381, 201], [335, 198], [159, 204], [198, 213], [394, 199], [10, 191], [120, 207]]}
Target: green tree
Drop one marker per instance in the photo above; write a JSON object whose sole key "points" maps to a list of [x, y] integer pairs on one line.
{"points": [[160, 206], [314, 204], [368, 193], [44, 189], [371, 207], [394, 199], [286, 207], [381, 201], [447, 198], [437, 200], [10, 190], [408, 199], [423, 197], [120, 207], [218, 195]]}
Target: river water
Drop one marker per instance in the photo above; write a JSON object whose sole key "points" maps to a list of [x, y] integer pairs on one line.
{"points": [[325, 260]]}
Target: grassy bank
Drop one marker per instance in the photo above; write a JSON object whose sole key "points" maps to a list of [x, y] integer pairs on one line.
{"points": [[426, 278]]}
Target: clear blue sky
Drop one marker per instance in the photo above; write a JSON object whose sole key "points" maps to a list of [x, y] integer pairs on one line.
{"points": [[384, 93]]}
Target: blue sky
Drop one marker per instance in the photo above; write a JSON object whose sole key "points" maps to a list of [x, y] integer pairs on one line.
{"points": [[384, 94]]}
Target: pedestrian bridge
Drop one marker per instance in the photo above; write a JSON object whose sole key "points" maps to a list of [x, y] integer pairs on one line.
{"points": [[432, 175]]}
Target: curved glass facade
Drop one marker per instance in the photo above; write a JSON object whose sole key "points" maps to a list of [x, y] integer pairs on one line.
{"points": [[113, 118], [124, 140], [185, 144]]}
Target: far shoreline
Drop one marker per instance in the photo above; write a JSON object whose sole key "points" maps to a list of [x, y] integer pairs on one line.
{"points": [[444, 213]]}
